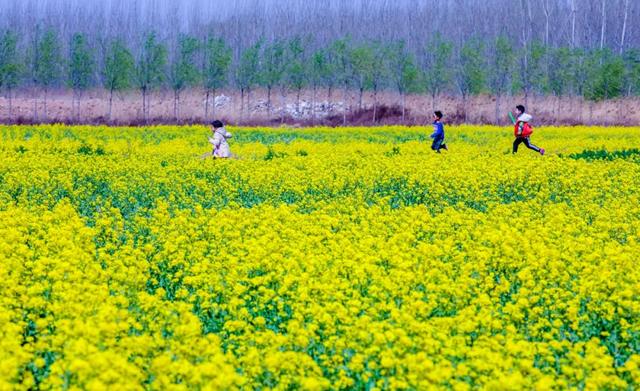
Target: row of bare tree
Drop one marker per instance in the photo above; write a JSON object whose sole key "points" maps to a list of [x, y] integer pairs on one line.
{"points": [[587, 48]]}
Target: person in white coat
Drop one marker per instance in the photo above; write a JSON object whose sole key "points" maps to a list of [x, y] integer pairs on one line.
{"points": [[219, 140]]}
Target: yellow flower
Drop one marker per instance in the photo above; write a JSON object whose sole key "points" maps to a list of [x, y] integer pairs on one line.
{"points": [[330, 261]]}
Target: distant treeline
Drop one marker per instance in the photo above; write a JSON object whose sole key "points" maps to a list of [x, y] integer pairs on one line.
{"points": [[520, 61]]}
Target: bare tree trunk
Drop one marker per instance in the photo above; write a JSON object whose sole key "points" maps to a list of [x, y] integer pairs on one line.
{"points": [[624, 25], [525, 43], [144, 106], [350, 99], [313, 106], [175, 104], [559, 110], [604, 23], [464, 108], [573, 23], [620, 116], [298, 101], [110, 103], [206, 105], [402, 100], [73, 105], [581, 109], [213, 107], [79, 99], [375, 104], [545, 8], [149, 94], [10, 98], [249, 102], [35, 106], [283, 107], [242, 103], [269, 102], [498, 109], [360, 98], [530, 19], [72, 115], [344, 106], [44, 109]]}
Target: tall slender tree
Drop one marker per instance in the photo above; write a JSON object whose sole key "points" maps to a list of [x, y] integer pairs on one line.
{"points": [[150, 69], [340, 50], [81, 69], [625, 17], [247, 73], [320, 71], [379, 74], [559, 73], [10, 66], [632, 75], [404, 71], [118, 70], [533, 72], [470, 73], [217, 62], [501, 70], [296, 67], [582, 64], [184, 69], [437, 67], [603, 23], [48, 64], [362, 58], [273, 69]]}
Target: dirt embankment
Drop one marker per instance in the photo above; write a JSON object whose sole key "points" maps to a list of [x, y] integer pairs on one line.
{"points": [[332, 109]]}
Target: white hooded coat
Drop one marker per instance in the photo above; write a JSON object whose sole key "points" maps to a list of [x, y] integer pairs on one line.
{"points": [[220, 144], [524, 117]]}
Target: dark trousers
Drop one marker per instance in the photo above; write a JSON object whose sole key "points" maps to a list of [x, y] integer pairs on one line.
{"points": [[525, 140], [438, 144]]}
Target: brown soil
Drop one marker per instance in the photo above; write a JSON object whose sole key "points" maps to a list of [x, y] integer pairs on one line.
{"points": [[329, 112]]}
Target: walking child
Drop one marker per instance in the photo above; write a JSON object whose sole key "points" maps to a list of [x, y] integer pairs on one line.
{"points": [[522, 130], [438, 133], [219, 141]]}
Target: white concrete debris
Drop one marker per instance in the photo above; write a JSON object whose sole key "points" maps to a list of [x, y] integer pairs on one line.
{"points": [[218, 100], [304, 110], [221, 100]]}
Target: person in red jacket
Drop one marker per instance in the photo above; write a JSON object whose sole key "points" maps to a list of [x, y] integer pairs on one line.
{"points": [[522, 131]]}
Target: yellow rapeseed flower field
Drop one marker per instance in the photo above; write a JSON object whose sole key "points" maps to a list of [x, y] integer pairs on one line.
{"points": [[352, 258]]}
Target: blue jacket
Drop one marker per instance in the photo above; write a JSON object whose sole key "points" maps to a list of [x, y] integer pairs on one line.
{"points": [[438, 130]]}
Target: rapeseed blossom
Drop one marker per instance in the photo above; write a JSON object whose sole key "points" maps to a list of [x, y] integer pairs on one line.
{"points": [[320, 259]]}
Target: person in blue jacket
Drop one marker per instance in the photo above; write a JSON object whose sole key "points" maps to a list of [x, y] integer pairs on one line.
{"points": [[438, 133]]}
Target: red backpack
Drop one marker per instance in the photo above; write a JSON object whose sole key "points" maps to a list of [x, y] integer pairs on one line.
{"points": [[526, 129]]}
